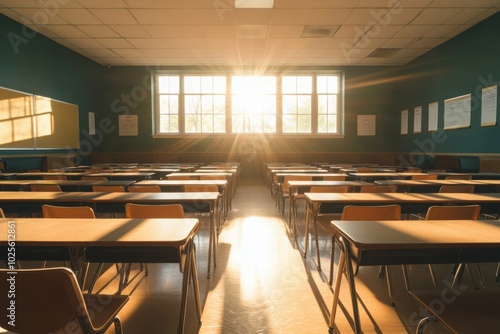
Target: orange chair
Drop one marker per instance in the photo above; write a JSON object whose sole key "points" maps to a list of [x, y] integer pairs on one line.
{"points": [[144, 189], [49, 300]]}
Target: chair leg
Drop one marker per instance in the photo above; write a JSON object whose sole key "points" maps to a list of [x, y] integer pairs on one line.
{"points": [[389, 285], [497, 274], [332, 259], [433, 277], [118, 325]]}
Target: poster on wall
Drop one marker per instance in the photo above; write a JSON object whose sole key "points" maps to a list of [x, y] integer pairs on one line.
{"points": [[433, 116], [128, 125], [91, 123], [489, 106], [366, 125], [404, 122], [417, 119], [457, 112]]}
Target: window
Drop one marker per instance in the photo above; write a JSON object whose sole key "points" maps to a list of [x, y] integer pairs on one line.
{"points": [[288, 104]]}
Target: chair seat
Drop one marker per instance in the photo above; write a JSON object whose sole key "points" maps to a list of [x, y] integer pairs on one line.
{"points": [[101, 316]]}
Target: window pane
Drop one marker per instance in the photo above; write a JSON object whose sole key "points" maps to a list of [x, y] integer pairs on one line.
{"points": [[254, 104], [297, 97], [168, 84], [192, 85]]}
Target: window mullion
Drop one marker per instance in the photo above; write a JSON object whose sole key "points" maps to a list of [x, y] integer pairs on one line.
{"points": [[182, 122], [314, 106]]}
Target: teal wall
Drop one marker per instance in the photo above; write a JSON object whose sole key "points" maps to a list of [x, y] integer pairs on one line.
{"points": [[128, 92], [464, 65], [32, 63]]}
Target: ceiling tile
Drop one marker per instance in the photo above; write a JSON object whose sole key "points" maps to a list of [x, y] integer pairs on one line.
{"points": [[283, 31], [78, 16], [175, 31], [114, 16], [66, 31], [115, 43], [131, 31], [97, 31]]}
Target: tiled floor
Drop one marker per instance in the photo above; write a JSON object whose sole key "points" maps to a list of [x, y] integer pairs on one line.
{"points": [[262, 283]]}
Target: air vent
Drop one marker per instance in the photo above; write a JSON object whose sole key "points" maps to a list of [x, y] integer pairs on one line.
{"points": [[383, 53], [319, 31]]}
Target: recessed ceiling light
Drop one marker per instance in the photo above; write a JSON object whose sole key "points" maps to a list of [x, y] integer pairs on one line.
{"points": [[254, 3]]}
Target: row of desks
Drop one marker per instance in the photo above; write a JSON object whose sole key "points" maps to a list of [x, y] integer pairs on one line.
{"points": [[374, 243], [21, 201], [158, 235]]}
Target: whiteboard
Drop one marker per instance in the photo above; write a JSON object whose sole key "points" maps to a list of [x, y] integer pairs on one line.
{"points": [[457, 112]]}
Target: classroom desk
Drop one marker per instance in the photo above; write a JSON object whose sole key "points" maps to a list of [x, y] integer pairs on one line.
{"points": [[158, 173], [20, 201], [475, 176], [66, 185], [300, 187], [156, 234], [409, 202], [481, 186], [40, 175], [7, 176], [134, 176], [178, 186], [383, 176], [231, 184], [374, 243]]}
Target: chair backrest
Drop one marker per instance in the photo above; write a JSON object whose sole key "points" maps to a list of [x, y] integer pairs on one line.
{"points": [[54, 177], [458, 177], [108, 189], [453, 212], [52, 211], [94, 178], [154, 211], [47, 300], [365, 170], [334, 177], [334, 189], [457, 189], [45, 187], [144, 189], [378, 189], [285, 186], [201, 188], [374, 212], [425, 177]]}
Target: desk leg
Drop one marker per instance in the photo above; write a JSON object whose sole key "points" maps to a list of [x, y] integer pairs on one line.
{"points": [[352, 286], [212, 243], [185, 285], [306, 233], [336, 292]]}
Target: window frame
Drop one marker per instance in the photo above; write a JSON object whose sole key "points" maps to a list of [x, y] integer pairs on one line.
{"points": [[279, 102]]}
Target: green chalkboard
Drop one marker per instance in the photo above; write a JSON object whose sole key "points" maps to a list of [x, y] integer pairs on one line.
{"points": [[36, 122]]}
